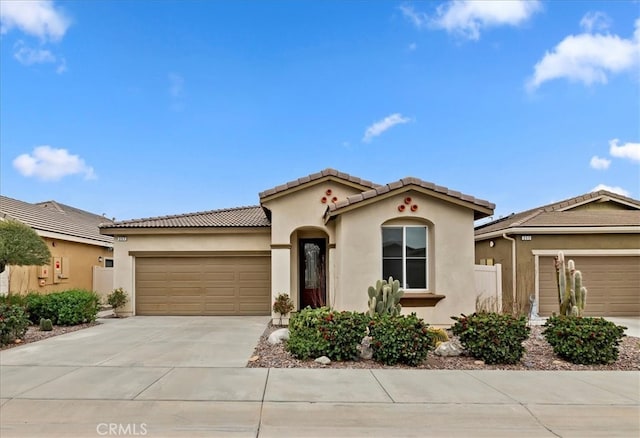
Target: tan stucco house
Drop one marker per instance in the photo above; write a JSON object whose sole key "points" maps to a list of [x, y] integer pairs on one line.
{"points": [[78, 250], [323, 239], [600, 231]]}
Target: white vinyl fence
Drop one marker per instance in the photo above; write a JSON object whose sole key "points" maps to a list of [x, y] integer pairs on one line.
{"points": [[488, 281]]}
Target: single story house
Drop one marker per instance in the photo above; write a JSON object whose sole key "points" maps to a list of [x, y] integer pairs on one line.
{"points": [[600, 231], [323, 239], [78, 250]]}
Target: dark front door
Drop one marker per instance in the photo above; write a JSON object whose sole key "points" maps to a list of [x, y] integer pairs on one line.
{"points": [[312, 273]]}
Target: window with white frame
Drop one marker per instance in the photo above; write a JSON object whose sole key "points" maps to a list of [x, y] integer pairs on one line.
{"points": [[404, 255]]}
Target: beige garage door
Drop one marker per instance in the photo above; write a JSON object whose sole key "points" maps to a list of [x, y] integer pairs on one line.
{"points": [[203, 285], [613, 285]]}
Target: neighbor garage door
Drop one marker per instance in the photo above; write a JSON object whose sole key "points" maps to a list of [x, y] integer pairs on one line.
{"points": [[613, 285], [236, 285]]}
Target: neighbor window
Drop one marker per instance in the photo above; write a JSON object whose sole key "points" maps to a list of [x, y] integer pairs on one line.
{"points": [[404, 255]]}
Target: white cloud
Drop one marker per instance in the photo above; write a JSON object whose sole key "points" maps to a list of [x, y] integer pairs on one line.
{"points": [[618, 190], [27, 56], [630, 151], [599, 163], [418, 19], [37, 17], [382, 125], [588, 58], [469, 17], [51, 164], [412, 47], [595, 21]]}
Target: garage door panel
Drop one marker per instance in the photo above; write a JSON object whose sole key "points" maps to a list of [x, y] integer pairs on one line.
{"points": [[613, 284], [203, 285]]}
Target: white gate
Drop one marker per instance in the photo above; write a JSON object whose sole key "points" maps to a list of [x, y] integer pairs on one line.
{"points": [[103, 281], [488, 280]]}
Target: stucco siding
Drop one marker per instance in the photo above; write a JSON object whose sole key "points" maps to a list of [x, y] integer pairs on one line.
{"points": [[525, 284], [359, 242], [81, 259]]}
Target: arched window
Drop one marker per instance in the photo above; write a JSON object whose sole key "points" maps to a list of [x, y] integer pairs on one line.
{"points": [[405, 250]]}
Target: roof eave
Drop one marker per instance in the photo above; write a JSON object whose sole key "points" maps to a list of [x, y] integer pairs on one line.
{"points": [[609, 229]]}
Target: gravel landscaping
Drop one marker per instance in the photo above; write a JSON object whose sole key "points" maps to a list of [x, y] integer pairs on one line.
{"points": [[538, 356], [34, 333]]}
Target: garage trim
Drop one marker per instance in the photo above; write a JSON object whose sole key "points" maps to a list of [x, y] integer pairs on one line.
{"points": [[537, 253]]}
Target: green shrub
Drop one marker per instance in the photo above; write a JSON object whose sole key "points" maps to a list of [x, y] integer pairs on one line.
{"points": [[400, 339], [494, 338], [584, 340], [71, 307], [13, 323], [40, 306], [118, 298], [324, 332]]}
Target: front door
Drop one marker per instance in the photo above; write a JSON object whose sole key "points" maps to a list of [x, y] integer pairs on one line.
{"points": [[312, 273]]}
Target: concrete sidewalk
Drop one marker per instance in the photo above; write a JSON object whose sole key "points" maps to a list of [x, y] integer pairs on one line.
{"points": [[171, 377], [245, 402]]}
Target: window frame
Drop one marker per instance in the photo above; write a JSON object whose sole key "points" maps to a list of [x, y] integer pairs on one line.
{"points": [[404, 227]]}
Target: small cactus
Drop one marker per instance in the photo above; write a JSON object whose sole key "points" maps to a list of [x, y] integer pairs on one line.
{"points": [[439, 335], [572, 295], [384, 298], [46, 325]]}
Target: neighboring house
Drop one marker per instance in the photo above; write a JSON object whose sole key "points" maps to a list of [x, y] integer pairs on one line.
{"points": [[324, 239], [77, 248], [600, 231]]}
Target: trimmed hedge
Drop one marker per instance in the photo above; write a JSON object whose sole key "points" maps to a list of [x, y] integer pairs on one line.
{"points": [[495, 338], [71, 307], [324, 332], [400, 339], [583, 340]]}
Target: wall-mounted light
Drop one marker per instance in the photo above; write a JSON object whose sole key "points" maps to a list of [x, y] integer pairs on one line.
{"points": [[99, 259], [492, 244]]}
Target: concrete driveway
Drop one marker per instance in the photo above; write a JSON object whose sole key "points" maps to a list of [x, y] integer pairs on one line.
{"points": [[186, 376]]}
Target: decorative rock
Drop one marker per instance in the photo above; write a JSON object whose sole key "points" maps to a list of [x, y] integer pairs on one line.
{"points": [[18, 341], [557, 362], [478, 362], [254, 358], [278, 336], [323, 360], [446, 349], [366, 352]]}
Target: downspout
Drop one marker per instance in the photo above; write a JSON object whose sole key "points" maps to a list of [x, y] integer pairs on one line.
{"points": [[513, 263]]}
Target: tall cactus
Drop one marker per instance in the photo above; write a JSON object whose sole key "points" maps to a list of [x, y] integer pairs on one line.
{"points": [[384, 298], [572, 295]]}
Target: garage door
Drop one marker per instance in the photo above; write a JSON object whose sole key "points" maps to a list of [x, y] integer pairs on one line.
{"points": [[613, 285], [203, 285]]}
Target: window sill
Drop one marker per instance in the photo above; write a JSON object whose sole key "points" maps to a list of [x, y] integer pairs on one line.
{"points": [[420, 299]]}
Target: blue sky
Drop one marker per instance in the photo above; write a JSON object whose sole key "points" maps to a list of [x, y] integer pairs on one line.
{"points": [[146, 108]]}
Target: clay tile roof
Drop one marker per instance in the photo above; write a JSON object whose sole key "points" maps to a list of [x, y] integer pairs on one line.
{"points": [[58, 218], [314, 177], [553, 215], [404, 182], [252, 216]]}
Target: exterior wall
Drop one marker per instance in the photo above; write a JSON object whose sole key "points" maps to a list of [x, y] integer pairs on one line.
{"points": [[299, 214], [124, 270], [359, 264], [81, 258], [501, 253]]}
